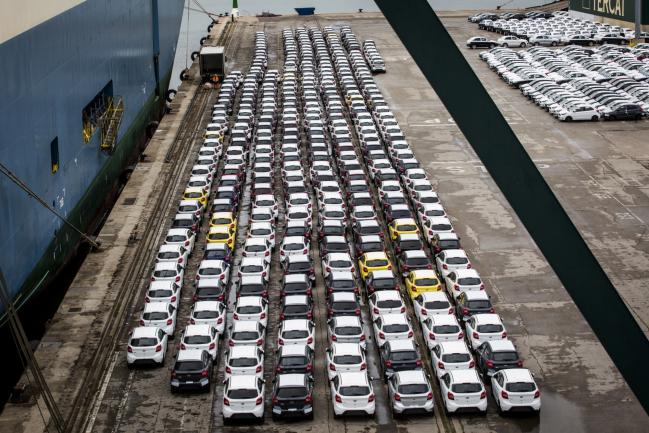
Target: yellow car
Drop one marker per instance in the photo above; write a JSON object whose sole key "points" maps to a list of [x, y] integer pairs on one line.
{"points": [[422, 280], [221, 235], [373, 261], [196, 193], [224, 219], [402, 226]]}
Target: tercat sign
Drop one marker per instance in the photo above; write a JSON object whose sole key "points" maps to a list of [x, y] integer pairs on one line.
{"points": [[617, 9]]}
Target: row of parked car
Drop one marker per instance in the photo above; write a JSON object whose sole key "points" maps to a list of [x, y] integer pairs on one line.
{"points": [[558, 28], [452, 361], [576, 83]]}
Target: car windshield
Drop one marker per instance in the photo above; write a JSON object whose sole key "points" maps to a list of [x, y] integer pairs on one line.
{"points": [[414, 388], [176, 238], [292, 392], [295, 334], [251, 288], [384, 283], [462, 388], [299, 266], [251, 269], [372, 246], [144, 342], [168, 255], [188, 365], [446, 329], [296, 309], [218, 236], [160, 293], [155, 315], [344, 305], [208, 291], [245, 335], [456, 357], [469, 281], [260, 232], [342, 284], [353, 391], [479, 304], [293, 247], [505, 356], [389, 303], [489, 328], [197, 339], [395, 328], [436, 305], [221, 221], [347, 359], [206, 314], [407, 228], [295, 287], [449, 244], [242, 394], [404, 355], [210, 271], [293, 361], [457, 260], [417, 262], [414, 244], [375, 263], [520, 387], [243, 362], [348, 330], [426, 282], [165, 273], [249, 309]]}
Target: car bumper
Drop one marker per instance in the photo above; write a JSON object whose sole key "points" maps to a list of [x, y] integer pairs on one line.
{"points": [[340, 409], [190, 386], [256, 413], [293, 412], [398, 407], [452, 406], [507, 406], [133, 359]]}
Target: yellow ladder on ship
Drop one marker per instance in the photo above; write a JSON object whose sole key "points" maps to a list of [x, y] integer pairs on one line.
{"points": [[109, 123]]}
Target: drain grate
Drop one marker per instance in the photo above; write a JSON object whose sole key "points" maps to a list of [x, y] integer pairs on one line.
{"points": [[128, 201], [74, 309]]}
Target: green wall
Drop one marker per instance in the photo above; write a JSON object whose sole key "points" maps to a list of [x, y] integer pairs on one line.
{"points": [[617, 9]]}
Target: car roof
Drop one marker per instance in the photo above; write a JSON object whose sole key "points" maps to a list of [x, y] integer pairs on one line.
{"points": [[345, 348], [177, 232], [488, 318], [502, 345], [424, 273], [447, 236], [156, 306], [292, 278], [291, 379], [162, 284], [415, 253], [252, 260], [249, 279], [222, 214], [518, 375], [411, 376], [298, 258], [393, 318], [245, 325], [190, 354], [249, 300], [386, 294], [166, 265], [341, 275], [347, 321], [398, 345], [211, 263], [243, 381], [462, 273], [453, 346], [455, 253], [383, 273], [443, 319], [295, 324], [358, 378], [206, 305], [375, 255], [339, 256], [202, 329], [144, 331], [343, 296], [294, 349], [296, 239], [464, 375], [172, 247], [476, 295], [246, 351]]}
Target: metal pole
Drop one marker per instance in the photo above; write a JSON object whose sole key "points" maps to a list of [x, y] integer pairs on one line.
{"points": [[638, 19]]}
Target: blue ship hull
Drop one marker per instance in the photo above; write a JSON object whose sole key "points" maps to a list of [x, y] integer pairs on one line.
{"points": [[305, 11], [49, 74]]}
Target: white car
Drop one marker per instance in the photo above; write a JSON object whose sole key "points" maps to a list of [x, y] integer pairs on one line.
{"points": [[450, 355], [173, 253], [451, 260], [333, 212], [208, 313], [410, 391], [243, 396], [262, 214], [337, 262], [352, 391], [484, 327], [243, 360], [511, 41], [200, 337], [146, 344], [346, 329], [163, 291], [463, 389], [184, 237], [253, 308], [437, 225], [299, 213], [257, 247], [430, 304], [168, 271], [213, 269], [263, 230], [515, 388], [293, 245], [441, 327], [463, 280], [386, 302], [297, 331], [247, 333], [161, 315], [392, 327], [360, 213], [578, 112], [298, 199], [254, 266], [345, 357]]}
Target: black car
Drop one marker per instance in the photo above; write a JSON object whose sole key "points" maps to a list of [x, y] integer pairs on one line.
{"points": [[381, 280], [296, 284], [625, 111], [399, 355], [295, 358], [472, 302], [292, 396], [492, 356], [480, 42], [341, 282], [343, 304], [217, 251], [192, 371], [413, 260], [209, 289], [333, 244]]}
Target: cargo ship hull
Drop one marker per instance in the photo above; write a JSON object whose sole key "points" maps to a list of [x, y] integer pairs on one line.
{"points": [[57, 73]]}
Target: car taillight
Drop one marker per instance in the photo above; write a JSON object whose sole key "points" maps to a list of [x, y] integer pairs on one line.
{"points": [[362, 337], [471, 364], [445, 266], [194, 298], [264, 274], [212, 346], [332, 367], [218, 322], [146, 299], [230, 343], [465, 312], [468, 266], [275, 401], [334, 338], [413, 288], [173, 299], [429, 396], [308, 399], [431, 335], [381, 335], [260, 342], [406, 268], [170, 321], [519, 363], [456, 287], [267, 253], [309, 340], [177, 278], [410, 334], [450, 310], [475, 335], [418, 362], [141, 322], [460, 335], [226, 402], [228, 370], [180, 260], [186, 243], [483, 395], [370, 399], [258, 369], [328, 269], [358, 311], [259, 401], [490, 364], [158, 348], [205, 373], [152, 278], [481, 286], [503, 335], [450, 395], [129, 349], [338, 399], [282, 253], [182, 346], [537, 394], [388, 364]]}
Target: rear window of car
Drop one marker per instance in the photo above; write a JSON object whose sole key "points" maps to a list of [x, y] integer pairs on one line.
{"points": [[160, 293], [505, 356], [242, 394], [188, 366], [456, 357], [489, 328], [404, 355], [295, 333], [206, 314], [143, 342], [292, 392], [469, 281], [156, 315], [394, 328], [462, 388], [520, 387], [347, 359], [479, 304], [348, 330], [457, 260], [426, 282], [197, 339], [446, 329], [243, 362], [245, 335], [414, 388], [293, 361]]}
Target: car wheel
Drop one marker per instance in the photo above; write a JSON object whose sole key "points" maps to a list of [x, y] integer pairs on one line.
{"points": [[491, 45], [590, 44], [554, 44], [471, 47], [568, 119], [594, 118], [523, 44], [505, 45]]}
